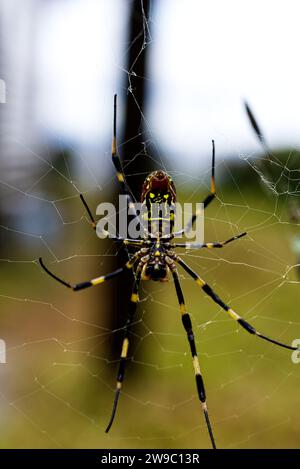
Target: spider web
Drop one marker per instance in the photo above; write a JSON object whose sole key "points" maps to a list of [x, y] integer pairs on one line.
{"points": [[58, 383]]}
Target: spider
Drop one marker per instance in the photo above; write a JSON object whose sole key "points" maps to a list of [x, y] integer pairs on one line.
{"points": [[155, 259]]}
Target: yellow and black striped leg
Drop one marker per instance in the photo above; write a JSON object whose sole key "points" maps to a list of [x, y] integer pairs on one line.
{"points": [[242, 322], [115, 157], [116, 160], [94, 281], [212, 194], [187, 324], [128, 241], [124, 352], [208, 199], [257, 130], [220, 244], [119, 170], [93, 222]]}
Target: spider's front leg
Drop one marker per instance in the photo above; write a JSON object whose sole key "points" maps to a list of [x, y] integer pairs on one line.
{"points": [[124, 187], [208, 199], [126, 241]]}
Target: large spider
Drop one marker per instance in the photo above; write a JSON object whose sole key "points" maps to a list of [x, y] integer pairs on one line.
{"points": [[155, 259]]}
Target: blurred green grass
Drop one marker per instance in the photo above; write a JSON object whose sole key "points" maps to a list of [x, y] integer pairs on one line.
{"points": [[57, 386]]}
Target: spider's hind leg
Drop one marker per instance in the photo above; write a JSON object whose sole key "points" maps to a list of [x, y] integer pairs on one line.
{"points": [[187, 324], [125, 346], [242, 322]]}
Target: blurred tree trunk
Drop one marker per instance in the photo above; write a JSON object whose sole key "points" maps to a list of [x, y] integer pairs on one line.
{"points": [[135, 162]]}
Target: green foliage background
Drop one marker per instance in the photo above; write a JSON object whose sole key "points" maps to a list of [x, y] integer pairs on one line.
{"points": [[57, 386]]}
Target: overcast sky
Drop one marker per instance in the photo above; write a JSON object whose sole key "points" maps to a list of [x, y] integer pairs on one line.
{"points": [[205, 58]]}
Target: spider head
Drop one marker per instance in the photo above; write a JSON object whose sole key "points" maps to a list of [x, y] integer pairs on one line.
{"points": [[158, 188]]}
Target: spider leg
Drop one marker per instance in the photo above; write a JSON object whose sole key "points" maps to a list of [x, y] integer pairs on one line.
{"points": [[187, 324], [119, 169], [115, 157], [242, 322], [93, 222], [207, 245], [120, 173], [208, 199], [136, 242], [121, 371], [95, 281], [257, 130], [117, 162], [267, 178]]}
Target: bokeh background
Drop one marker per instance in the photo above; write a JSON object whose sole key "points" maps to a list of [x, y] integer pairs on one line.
{"points": [[181, 70]]}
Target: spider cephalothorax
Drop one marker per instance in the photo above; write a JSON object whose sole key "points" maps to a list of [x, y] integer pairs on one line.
{"points": [[155, 258], [159, 197], [159, 188]]}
